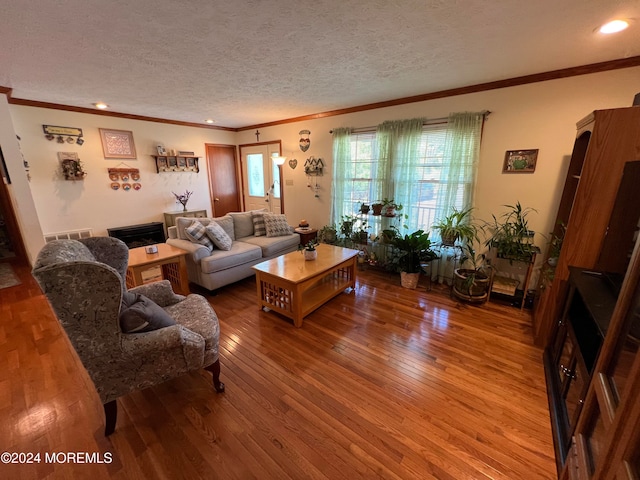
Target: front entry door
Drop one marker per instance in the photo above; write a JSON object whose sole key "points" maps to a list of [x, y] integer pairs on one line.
{"points": [[223, 179], [261, 177]]}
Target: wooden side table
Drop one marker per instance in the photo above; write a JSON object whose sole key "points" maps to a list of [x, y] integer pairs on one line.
{"points": [[171, 261], [307, 235]]}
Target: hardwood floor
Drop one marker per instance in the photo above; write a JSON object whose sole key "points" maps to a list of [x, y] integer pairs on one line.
{"points": [[383, 383]]}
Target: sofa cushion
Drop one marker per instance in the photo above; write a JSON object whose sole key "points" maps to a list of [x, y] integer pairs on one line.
{"points": [[196, 232], [141, 314], [225, 222], [259, 228], [271, 246], [276, 225], [242, 223], [218, 236], [240, 253]]}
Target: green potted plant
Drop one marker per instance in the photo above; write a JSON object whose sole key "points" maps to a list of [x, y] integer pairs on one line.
{"points": [[377, 208], [415, 249], [390, 207], [309, 250], [328, 234], [510, 234], [456, 226], [360, 232], [471, 282]]}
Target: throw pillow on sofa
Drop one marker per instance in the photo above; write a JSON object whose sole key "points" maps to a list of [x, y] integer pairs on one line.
{"points": [[259, 228], [197, 234], [276, 225], [218, 236], [226, 222]]}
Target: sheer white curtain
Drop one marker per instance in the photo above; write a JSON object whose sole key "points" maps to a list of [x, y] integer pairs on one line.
{"points": [[398, 149], [458, 176], [341, 170]]}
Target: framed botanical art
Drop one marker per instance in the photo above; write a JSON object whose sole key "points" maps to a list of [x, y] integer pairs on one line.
{"points": [[117, 144], [520, 161]]}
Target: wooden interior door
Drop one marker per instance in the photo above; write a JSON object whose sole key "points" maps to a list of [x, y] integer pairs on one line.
{"points": [[223, 179]]}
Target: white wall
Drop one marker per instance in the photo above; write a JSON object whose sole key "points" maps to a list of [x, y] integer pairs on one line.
{"points": [[91, 203], [541, 115], [19, 190]]}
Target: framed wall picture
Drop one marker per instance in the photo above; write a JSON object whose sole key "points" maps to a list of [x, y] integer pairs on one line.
{"points": [[117, 144], [520, 161]]}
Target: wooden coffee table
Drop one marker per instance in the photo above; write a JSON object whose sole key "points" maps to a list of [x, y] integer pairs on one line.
{"points": [[294, 287], [170, 259]]}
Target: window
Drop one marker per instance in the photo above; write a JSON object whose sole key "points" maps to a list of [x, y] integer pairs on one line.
{"points": [[427, 169]]}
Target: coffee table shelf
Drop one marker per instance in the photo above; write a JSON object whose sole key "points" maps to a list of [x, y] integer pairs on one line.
{"points": [[293, 287]]}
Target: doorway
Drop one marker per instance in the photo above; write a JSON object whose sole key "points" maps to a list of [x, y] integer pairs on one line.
{"points": [[11, 245], [261, 177], [223, 179]]}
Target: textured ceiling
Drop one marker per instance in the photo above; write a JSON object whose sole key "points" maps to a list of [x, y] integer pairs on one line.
{"points": [[246, 62]]}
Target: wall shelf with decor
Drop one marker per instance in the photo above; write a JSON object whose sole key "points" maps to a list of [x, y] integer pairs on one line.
{"points": [[176, 163]]}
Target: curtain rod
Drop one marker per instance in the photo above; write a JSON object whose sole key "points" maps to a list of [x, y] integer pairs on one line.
{"points": [[432, 121]]}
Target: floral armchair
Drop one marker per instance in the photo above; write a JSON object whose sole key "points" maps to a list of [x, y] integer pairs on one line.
{"points": [[84, 281]]}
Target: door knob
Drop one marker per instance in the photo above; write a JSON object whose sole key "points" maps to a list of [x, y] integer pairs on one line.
{"points": [[216, 199]]}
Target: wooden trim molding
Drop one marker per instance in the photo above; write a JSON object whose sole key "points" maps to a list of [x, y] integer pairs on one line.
{"points": [[481, 87], [91, 111]]}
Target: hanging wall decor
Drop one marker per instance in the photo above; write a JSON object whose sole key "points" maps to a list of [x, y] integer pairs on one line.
{"points": [[117, 144], [72, 134], [305, 142], [314, 166], [293, 163], [71, 166], [124, 173]]}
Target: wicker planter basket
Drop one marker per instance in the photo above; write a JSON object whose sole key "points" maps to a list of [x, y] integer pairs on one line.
{"points": [[409, 280]]}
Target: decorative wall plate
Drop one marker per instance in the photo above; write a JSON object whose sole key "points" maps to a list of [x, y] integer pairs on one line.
{"points": [[293, 163], [126, 187], [115, 186], [305, 141], [114, 177], [137, 186], [125, 177], [135, 177]]}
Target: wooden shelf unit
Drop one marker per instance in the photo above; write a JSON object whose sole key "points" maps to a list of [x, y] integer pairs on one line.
{"points": [[176, 163]]}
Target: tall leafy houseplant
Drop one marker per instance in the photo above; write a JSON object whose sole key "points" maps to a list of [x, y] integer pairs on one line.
{"points": [[456, 226], [510, 234], [414, 248]]}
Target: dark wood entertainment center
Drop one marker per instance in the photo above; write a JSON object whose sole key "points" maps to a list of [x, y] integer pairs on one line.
{"points": [[588, 316]]}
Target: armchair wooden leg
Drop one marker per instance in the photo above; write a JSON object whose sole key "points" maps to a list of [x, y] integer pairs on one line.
{"points": [[110, 415], [214, 368]]}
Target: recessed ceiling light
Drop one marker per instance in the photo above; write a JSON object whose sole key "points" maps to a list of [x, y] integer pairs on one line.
{"points": [[208, 120], [614, 26], [101, 105]]}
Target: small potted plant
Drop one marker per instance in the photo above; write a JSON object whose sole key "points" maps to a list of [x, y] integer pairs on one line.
{"points": [[364, 208], [472, 280], [377, 208], [456, 226], [415, 249], [309, 250], [389, 207]]}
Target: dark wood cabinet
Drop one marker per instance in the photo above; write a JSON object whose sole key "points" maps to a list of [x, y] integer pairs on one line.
{"points": [[606, 141], [589, 317], [570, 358]]}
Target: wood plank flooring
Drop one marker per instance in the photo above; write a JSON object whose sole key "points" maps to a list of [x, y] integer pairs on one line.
{"points": [[382, 383]]}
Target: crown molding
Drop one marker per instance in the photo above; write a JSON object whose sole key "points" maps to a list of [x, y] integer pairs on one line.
{"points": [[481, 87]]}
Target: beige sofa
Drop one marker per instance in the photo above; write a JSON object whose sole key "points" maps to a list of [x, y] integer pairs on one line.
{"points": [[217, 268]]}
